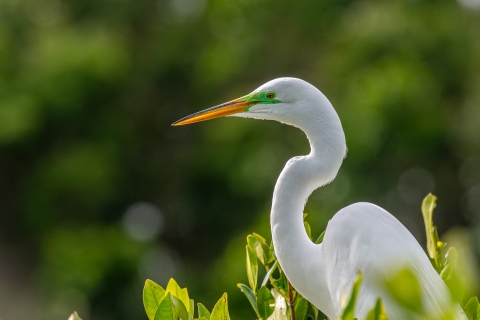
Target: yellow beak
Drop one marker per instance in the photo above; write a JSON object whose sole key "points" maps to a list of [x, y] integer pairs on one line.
{"points": [[235, 106]]}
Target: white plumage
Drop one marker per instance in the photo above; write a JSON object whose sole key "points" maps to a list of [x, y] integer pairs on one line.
{"points": [[360, 237]]}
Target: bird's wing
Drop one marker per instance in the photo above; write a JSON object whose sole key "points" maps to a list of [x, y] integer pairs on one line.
{"points": [[365, 238]]}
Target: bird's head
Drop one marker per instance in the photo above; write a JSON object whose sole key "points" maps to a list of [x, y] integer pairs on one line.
{"points": [[288, 100]]}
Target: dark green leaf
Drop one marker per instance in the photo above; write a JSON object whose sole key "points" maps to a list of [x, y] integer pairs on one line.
{"points": [[202, 311], [165, 310], [265, 302], [252, 268], [220, 311], [250, 296], [301, 307], [349, 310], [153, 294]]}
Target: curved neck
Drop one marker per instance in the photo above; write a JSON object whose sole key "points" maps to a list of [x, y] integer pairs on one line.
{"points": [[301, 176]]}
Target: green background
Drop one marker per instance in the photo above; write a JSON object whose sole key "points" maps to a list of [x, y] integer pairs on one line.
{"points": [[98, 192]]}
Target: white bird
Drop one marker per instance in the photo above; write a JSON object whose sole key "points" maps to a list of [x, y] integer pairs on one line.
{"points": [[360, 237]]}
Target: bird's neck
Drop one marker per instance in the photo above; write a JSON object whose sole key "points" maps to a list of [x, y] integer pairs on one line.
{"points": [[300, 177]]}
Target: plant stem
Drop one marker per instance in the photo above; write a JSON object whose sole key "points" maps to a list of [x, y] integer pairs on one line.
{"points": [[290, 300]]}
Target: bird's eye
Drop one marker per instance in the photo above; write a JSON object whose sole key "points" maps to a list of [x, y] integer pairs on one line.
{"points": [[271, 95]]}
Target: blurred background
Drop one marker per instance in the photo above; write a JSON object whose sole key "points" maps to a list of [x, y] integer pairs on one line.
{"points": [[98, 192]]}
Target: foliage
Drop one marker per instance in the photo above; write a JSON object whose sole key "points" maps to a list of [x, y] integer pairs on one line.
{"points": [[276, 299], [173, 303]]}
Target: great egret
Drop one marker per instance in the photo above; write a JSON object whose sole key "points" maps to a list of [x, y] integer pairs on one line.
{"points": [[361, 237]]}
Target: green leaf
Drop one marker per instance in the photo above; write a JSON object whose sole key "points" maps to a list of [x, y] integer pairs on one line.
{"points": [[434, 245], [179, 308], [472, 309], [451, 255], [220, 311], [178, 292], [301, 307], [281, 285], [252, 268], [405, 289], [315, 312], [201, 318], [250, 296], [202, 311], [269, 273], [378, 312], [308, 229], [192, 310], [320, 238], [165, 310], [428, 205], [74, 316], [264, 301], [349, 310], [455, 283], [153, 294], [259, 245]]}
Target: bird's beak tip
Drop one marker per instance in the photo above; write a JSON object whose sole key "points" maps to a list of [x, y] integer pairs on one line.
{"points": [[225, 109]]}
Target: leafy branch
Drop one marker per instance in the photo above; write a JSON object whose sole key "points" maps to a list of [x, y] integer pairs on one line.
{"points": [[274, 298]]}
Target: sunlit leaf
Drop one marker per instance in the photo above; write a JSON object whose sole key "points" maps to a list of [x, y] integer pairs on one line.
{"points": [[179, 308], [378, 312], [250, 296], [252, 268], [153, 294], [178, 292], [308, 229], [434, 245], [320, 238], [203, 312], [220, 311], [349, 309], [192, 310], [259, 245], [405, 289], [165, 310], [472, 309], [265, 302], [301, 307]]}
